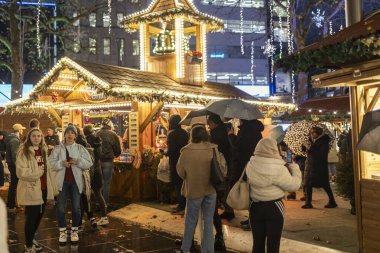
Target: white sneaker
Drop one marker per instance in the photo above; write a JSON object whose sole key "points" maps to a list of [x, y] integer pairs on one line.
{"points": [[62, 235], [37, 247], [103, 221], [74, 237], [29, 250]]}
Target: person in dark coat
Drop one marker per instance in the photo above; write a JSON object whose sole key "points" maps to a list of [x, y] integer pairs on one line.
{"points": [[316, 169], [177, 139], [51, 139], [300, 160], [247, 138], [3, 135]]}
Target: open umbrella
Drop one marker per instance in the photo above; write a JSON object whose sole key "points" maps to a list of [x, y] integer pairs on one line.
{"points": [[193, 117], [369, 136], [234, 109], [298, 135]]}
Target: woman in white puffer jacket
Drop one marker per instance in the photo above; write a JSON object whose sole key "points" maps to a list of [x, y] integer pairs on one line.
{"points": [[269, 178]]}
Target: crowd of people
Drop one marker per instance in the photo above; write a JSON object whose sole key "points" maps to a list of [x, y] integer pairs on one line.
{"points": [[45, 171]]}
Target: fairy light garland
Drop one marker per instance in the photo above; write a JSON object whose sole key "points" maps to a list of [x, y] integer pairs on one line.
{"points": [[280, 34], [241, 28], [290, 50], [38, 28], [252, 62], [204, 47], [142, 45], [109, 2], [331, 28], [271, 40], [180, 64]]}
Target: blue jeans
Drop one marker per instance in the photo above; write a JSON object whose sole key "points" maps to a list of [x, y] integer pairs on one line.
{"points": [[72, 189], [207, 205], [107, 168]]}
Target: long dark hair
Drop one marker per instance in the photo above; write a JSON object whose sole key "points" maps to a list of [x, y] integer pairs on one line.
{"points": [[24, 148]]}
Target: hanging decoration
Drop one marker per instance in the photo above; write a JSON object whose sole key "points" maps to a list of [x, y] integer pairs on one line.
{"points": [[241, 27], [165, 42], [253, 62], [269, 49], [290, 50], [38, 28], [331, 28], [109, 3], [280, 35], [318, 18]]}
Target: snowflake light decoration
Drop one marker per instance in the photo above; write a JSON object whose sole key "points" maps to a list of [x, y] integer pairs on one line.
{"points": [[318, 17], [269, 48]]}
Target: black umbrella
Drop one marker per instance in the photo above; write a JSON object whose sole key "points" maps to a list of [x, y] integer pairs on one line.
{"points": [[196, 116], [369, 137]]}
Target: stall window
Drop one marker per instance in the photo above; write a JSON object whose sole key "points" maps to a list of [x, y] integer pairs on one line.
{"points": [[107, 46], [92, 19], [92, 45], [106, 19], [135, 47], [120, 17]]}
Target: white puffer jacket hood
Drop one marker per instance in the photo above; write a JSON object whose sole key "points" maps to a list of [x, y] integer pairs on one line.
{"points": [[269, 178]]}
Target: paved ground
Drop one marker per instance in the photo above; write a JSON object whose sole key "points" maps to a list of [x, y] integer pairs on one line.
{"points": [[140, 228]]}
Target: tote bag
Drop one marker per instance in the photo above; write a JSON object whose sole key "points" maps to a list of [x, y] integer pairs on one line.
{"points": [[238, 197]]}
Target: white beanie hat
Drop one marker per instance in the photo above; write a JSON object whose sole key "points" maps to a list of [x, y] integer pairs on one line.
{"points": [[267, 147]]}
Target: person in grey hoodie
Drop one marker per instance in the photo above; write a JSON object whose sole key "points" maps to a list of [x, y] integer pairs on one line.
{"points": [[269, 177], [12, 143]]}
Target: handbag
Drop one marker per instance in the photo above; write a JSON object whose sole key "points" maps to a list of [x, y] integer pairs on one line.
{"points": [[238, 197], [217, 176], [163, 171]]}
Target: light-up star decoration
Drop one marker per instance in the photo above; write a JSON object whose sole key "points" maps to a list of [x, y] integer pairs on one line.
{"points": [[269, 48], [318, 18]]}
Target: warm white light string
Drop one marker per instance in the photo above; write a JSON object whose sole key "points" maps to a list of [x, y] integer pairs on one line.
{"points": [[280, 34], [271, 41], [38, 28], [331, 28], [290, 50], [241, 27], [252, 62], [109, 13]]}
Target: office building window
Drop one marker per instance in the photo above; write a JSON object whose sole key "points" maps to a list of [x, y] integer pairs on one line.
{"points": [[135, 47], [235, 78], [134, 1], [121, 49], [92, 45], [120, 17], [235, 3], [106, 19], [107, 46], [92, 19], [215, 51], [76, 22], [76, 45], [248, 26]]}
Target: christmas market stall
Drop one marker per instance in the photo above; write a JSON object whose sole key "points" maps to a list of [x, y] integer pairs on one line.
{"points": [[171, 80], [354, 53]]}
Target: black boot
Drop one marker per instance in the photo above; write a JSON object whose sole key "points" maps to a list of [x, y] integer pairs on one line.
{"points": [[331, 204], [307, 206], [219, 244]]}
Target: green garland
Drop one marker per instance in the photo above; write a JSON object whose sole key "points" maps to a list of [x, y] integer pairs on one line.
{"points": [[349, 51], [170, 15], [322, 117]]}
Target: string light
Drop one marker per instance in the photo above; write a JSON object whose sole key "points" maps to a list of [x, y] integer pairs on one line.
{"points": [[109, 14], [204, 49], [142, 45], [271, 41], [290, 50], [252, 62], [331, 28], [241, 27], [180, 64], [318, 18], [280, 34], [38, 28]]}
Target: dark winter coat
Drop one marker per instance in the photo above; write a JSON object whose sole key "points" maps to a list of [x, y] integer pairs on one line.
{"points": [[52, 140], [97, 178], [316, 169], [246, 141], [2, 145], [219, 136], [110, 145], [12, 143], [177, 139]]}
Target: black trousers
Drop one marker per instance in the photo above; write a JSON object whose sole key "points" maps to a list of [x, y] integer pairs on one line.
{"points": [[32, 220], [328, 190], [12, 186], [267, 221]]}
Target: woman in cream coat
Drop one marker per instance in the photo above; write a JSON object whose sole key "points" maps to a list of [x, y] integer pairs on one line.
{"points": [[35, 184], [269, 178]]}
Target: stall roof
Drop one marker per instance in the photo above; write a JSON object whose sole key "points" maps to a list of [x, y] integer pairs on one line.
{"points": [[129, 85], [323, 105]]}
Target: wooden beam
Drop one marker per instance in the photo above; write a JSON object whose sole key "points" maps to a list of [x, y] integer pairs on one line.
{"points": [[374, 100], [55, 115], [74, 87], [149, 118]]}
